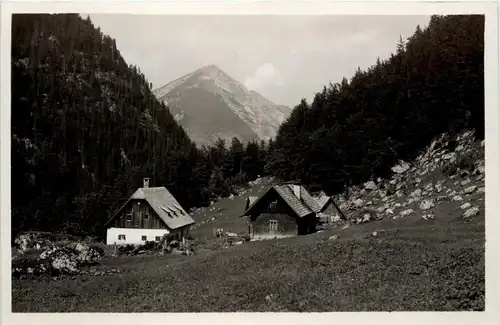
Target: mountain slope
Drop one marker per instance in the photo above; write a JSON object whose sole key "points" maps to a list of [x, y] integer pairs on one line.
{"points": [[85, 127], [210, 104]]}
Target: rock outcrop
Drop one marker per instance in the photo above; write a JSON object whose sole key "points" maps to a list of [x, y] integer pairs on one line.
{"points": [[449, 170]]}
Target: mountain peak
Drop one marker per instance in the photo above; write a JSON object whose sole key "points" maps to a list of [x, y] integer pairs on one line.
{"points": [[213, 71], [210, 67], [208, 103]]}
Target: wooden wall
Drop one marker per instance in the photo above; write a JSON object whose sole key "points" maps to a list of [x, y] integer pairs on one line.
{"points": [[330, 210], [275, 208], [287, 224], [142, 216]]}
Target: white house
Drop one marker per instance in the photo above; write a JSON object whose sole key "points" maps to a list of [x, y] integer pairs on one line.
{"points": [[149, 214]]}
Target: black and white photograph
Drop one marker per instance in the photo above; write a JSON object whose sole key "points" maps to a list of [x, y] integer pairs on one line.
{"points": [[222, 163]]}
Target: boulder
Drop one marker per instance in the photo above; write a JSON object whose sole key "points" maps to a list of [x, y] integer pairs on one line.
{"points": [[471, 212], [465, 206], [358, 203], [401, 167], [370, 186], [426, 205], [470, 189]]}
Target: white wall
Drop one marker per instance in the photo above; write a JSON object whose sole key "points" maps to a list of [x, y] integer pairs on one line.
{"points": [[271, 236], [132, 235]]}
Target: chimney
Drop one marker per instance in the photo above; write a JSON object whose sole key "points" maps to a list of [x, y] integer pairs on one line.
{"points": [[145, 182], [296, 190]]}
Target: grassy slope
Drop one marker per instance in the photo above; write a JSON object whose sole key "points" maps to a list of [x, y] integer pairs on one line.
{"points": [[412, 264]]}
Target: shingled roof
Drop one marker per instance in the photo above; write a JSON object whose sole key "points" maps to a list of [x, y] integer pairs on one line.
{"points": [[323, 200], [164, 204], [302, 206], [250, 201]]}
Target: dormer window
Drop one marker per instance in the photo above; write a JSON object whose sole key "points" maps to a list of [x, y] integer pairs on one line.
{"points": [[167, 211]]}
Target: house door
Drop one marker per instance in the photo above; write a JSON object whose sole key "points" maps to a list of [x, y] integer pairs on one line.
{"points": [[137, 217]]}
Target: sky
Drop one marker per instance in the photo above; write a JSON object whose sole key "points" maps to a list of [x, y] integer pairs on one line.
{"points": [[284, 58]]}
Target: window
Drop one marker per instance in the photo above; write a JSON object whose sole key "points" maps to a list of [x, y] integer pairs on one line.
{"points": [[158, 238], [144, 238], [129, 216], [273, 206], [121, 237], [146, 217], [273, 225]]}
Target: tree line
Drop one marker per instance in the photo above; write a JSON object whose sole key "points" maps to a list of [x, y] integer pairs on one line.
{"points": [[86, 128], [356, 129]]}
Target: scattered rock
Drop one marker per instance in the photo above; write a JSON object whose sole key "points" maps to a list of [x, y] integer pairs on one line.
{"points": [[334, 237], [426, 205], [465, 206], [358, 203], [417, 193], [470, 189], [401, 167], [406, 212], [471, 212], [370, 185], [449, 156], [453, 157], [465, 182], [479, 170]]}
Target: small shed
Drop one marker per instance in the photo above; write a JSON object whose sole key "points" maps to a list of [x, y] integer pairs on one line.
{"points": [[328, 208], [281, 211]]}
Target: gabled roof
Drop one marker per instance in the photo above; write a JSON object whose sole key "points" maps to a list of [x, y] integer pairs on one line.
{"points": [[164, 204], [323, 200], [302, 207]]}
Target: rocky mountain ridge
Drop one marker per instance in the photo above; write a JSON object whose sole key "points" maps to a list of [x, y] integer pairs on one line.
{"points": [[210, 104]]}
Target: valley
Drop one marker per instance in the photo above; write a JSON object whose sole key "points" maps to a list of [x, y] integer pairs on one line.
{"points": [[129, 198]]}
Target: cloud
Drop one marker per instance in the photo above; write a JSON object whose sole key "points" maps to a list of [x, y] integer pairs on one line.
{"points": [[266, 75]]}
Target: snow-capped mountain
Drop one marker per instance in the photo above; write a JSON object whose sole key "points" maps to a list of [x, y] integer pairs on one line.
{"points": [[209, 104]]}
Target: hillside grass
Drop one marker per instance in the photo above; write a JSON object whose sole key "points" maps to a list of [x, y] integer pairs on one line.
{"points": [[411, 264]]}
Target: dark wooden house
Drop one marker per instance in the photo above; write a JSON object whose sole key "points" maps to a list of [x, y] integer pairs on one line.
{"points": [[149, 214], [282, 211]]}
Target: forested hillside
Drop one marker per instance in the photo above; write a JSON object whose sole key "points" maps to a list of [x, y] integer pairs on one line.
{"points": [[86, 128], [357, 129]]}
